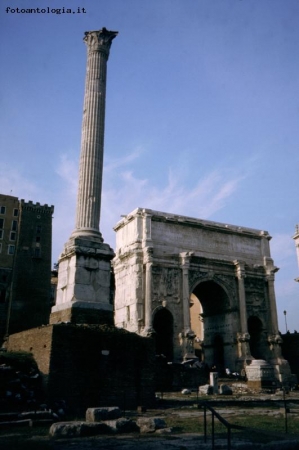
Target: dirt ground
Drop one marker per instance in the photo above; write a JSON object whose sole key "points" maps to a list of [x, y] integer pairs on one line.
{"points": [[184, 408]]}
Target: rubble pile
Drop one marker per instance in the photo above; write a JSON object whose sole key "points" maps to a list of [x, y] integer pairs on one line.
{"points": [[20, 382], [107, 420]]}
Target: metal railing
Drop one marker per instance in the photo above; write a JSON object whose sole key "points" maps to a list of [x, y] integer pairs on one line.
{"points": [[230, 426], [224, 422]]}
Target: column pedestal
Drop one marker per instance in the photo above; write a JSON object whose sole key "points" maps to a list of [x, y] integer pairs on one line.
{"points": [[281, 366], [84, 283]]}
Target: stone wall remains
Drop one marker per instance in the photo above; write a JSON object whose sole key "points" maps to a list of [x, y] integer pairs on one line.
{"points": [[92, 365]]}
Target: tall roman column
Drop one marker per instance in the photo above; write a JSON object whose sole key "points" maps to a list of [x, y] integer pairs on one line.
{"points": [[84, 274], [92, 140]]}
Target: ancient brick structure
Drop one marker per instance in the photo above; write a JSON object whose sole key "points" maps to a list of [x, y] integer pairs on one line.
{"points": [[91, 365]]}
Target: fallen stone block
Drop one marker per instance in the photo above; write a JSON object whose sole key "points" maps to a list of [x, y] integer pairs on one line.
{"points": [[224, 389], [186, 392], [206, 389], [105, 413], [16, 423], [78, 429], [164, 431], [122, 425], [150, 424]]}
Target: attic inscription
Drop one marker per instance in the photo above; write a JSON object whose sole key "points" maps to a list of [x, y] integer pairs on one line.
{"points": [[204, 241]]}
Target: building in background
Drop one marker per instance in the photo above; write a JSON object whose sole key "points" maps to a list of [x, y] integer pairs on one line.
{"points": [[25, 264]]}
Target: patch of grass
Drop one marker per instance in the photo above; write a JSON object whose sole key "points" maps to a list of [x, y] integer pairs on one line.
{"points": [[28, 438], [263, 423]]}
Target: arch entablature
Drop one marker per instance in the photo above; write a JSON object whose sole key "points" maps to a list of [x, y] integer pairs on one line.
{"points": [[226, 282]]}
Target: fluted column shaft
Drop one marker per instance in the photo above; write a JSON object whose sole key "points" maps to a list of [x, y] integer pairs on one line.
{"points": [[185, 292], [92, 140], [243, 336], [148, 321], [240, 272]]}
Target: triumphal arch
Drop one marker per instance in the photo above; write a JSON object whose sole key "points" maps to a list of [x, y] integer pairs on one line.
{"points": [[205, 289]]}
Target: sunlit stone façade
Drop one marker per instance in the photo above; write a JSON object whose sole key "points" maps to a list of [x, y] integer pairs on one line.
{"points": [[203, 288]]}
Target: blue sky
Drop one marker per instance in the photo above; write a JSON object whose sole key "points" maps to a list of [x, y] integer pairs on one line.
{"points": [[201, 117]]}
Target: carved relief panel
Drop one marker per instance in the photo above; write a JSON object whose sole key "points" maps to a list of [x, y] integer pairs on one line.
{"points": [[255, 296], [166, 284]]}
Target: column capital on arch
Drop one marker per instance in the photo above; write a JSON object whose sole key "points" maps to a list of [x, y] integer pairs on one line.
{"points": [[148, 255], [270, 269], [185, 259], [240, 269]]}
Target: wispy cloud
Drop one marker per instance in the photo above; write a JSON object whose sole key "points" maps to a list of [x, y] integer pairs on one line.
{"points": [[282, 248], [177, 195], [68, 170], [112, 164], [13, 182], [203, 199]]}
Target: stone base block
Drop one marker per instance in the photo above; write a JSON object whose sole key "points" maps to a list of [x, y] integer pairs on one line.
{"points": [[100, 414], [260, 375], [78, 429], [82, 315]]}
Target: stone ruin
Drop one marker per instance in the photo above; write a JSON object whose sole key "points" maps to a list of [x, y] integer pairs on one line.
{"points": [[205, 289]]}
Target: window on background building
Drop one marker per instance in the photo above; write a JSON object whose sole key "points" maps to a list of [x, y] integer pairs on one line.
{"points": [[14, 225], [1, 228], [12, 236], [37, 239], [11, 249], [37, 252], [15, 212], [1, 247], [2, 209], [38, 229]]}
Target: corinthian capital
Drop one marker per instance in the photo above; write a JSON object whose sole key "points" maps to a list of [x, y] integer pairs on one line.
{"points": [[240, 269], [148, 255], [99, 41], [185, 259]]}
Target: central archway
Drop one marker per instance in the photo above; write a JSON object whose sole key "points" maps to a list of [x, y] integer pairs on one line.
{"points": [[209, 305], [163, 326]]}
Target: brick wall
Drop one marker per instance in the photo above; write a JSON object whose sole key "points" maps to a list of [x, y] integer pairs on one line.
{"points": [[77, 369]]}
